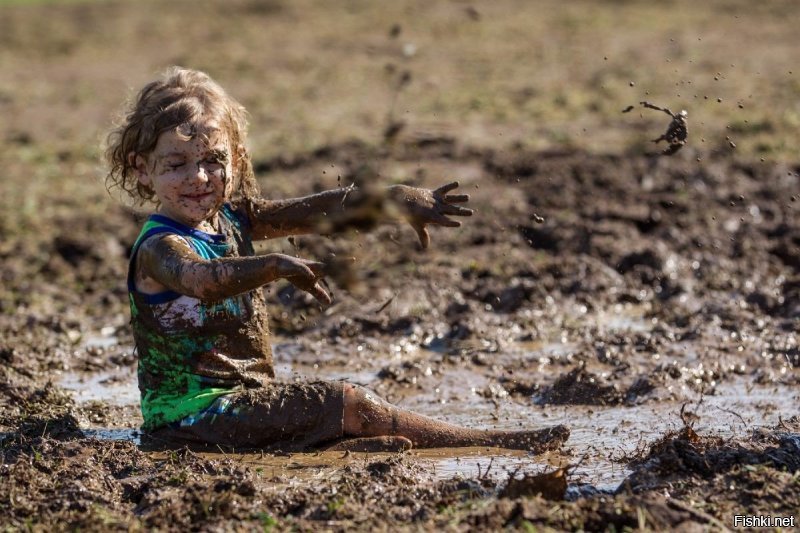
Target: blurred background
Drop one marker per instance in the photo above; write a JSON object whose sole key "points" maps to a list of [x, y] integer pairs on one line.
{"points": [[541, 73]]}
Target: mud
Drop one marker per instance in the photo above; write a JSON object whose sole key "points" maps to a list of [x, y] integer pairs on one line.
{"points": [[652, 304], [663, 303]]}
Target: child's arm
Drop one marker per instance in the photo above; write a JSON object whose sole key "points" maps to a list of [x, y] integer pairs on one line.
{"points": [[170, 262], [330, 211]]}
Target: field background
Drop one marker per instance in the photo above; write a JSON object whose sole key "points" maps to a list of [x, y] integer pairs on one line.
{"points": [[542, 74], [650, 303]]}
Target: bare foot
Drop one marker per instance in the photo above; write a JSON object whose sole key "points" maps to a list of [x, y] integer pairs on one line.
{"points": [[372, 445], [536, 441]]}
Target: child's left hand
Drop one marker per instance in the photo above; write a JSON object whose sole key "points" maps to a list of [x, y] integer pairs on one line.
{"points": [[421, 207]]}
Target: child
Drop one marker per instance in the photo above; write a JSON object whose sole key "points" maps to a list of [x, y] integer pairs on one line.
{"points": [[198, 313]]}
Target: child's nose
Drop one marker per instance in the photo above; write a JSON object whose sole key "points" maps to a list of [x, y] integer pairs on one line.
{"points": [[201, 172]]}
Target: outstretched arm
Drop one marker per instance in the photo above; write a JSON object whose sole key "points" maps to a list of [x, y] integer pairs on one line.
{"points": [[332, 211], [169, 262], [323, 213]]}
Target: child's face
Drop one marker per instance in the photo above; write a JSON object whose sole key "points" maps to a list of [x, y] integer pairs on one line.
{"points": [[191, 178]]}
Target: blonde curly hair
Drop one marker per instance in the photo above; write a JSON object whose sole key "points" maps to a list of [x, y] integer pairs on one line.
{"points": [[178, 101]]}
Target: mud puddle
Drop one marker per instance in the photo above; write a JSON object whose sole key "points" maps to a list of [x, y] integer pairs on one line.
{"points": [[602, 439], [115, 387]]}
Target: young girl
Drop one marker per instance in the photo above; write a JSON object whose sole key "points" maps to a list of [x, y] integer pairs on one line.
{"points": [[198, 313]]}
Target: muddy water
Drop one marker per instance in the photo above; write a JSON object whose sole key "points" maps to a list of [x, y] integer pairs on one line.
{"points": [[603, 437]]}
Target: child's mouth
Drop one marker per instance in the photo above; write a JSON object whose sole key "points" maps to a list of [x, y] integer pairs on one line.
{"points": [[198, 196]]}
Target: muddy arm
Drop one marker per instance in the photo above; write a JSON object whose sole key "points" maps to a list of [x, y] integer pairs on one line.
{"points": [[169, 261], [323, 213], [352, 207]]}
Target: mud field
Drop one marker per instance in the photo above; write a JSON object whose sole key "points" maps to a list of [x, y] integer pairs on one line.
{"points": [[650, 303]]}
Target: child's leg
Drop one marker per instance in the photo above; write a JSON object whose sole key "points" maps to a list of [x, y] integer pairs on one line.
{"points": [[371, 444], [367, 415]]}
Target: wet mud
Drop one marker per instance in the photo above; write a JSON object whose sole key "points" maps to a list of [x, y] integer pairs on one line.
{"points": [[651, 304]]}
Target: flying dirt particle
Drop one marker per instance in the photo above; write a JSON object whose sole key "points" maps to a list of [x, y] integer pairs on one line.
{"points": [[605, 58], [632, 84], [719, 100], [395, 30], [628, 109], [741, 105], [677, 130], [716, 78], [472, 13], [732, 144], [537, 218]]}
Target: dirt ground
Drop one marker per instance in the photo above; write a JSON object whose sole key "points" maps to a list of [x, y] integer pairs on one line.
{"points": [[651, 303]]}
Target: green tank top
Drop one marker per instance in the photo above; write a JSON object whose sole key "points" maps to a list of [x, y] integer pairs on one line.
{"points": [[193, 351]]}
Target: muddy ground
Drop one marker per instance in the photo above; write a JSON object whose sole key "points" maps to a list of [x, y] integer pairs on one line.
{"points": [[651, 303]]}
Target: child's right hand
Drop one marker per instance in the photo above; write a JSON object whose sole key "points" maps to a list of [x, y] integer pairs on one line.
{"points": [[302, 273]]}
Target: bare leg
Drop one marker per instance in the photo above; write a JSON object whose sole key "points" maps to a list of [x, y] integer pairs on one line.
{"points": [[367, 415], [371, 444]]}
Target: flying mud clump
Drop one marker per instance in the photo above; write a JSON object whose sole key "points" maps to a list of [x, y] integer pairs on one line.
{"points": [[677, 130]]}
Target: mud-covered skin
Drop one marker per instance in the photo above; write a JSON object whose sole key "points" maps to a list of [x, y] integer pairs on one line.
{"points": [[177, 267], [189, 171], [358, 207], [368, 415]]}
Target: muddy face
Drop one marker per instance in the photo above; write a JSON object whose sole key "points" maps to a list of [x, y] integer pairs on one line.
{"points": [[190, 173]]}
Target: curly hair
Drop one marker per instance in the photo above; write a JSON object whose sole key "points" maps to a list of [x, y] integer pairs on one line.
{"points": [[178, 101]]}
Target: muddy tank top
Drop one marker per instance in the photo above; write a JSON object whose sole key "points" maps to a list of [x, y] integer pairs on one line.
{"points": [[192, 351]]}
